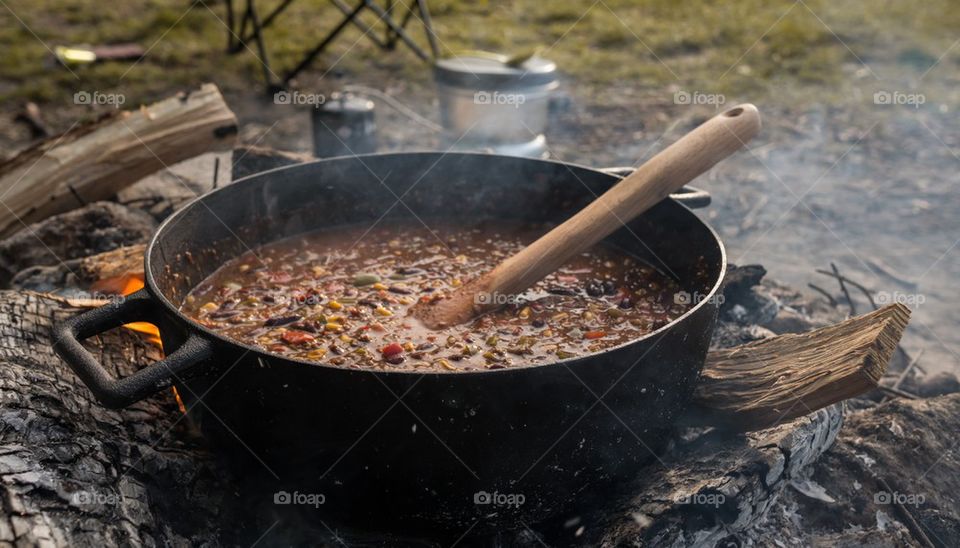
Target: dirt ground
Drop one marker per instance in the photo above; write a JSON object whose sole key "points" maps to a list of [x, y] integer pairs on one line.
{"points": [[856, 165]]}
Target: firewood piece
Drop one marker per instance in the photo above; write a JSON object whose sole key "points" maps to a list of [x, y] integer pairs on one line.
{"points": [[124, 261], [95, 228], [92, 162], [248, 160], [772, 380], [706, 488]]}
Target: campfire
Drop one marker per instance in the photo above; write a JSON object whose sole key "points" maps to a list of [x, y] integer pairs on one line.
{"points": [[764, 414]]}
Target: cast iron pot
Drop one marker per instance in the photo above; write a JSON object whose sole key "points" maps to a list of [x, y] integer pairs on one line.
{"points": [[414, 450]]}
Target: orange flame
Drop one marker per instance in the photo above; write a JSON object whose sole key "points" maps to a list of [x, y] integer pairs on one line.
{"points": [[125, 285]]}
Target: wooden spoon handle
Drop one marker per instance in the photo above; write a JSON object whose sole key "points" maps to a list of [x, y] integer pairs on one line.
{"points": [[666, 172]]}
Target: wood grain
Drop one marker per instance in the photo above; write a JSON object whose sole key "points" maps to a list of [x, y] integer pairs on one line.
{"points": [[93, 161], [767, 382]]}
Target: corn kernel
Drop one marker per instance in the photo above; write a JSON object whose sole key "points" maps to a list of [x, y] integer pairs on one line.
{"points": [[316, 354], [379, 286], [383, 311], [334, 305]]}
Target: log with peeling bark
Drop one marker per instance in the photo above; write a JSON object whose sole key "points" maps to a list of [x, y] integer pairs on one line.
{"points": [[93, 161], [763, 383]]}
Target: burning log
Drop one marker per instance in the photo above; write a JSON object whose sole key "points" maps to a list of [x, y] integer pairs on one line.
{"points": [[101, 270], [73, 473], [92, 162], [64, 239]]}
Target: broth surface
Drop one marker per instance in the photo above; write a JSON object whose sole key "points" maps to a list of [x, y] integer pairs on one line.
{"points": [[343, 296]]}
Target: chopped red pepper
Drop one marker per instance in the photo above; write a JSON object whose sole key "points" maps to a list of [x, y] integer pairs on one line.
{"points": [[295, 336], [594, 335], [391, 349]]}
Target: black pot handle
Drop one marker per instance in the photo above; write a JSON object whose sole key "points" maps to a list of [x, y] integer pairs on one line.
{"points": [[116, 393], [692, 197]]}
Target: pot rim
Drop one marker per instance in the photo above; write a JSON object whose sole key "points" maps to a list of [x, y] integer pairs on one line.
{"points": [[151, 284]]}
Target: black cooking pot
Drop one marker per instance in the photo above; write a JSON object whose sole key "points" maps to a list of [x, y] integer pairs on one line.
{"points": [[406, 449]]}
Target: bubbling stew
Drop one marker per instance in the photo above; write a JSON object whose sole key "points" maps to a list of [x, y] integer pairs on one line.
{"points": [[344, 297]]}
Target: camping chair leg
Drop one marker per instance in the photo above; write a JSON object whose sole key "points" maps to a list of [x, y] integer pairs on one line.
{"points": [[392, 37], [320, 47], [267, 21], [428, 27], [385, 17], [368, 31], [257, 36], [230, 22]]}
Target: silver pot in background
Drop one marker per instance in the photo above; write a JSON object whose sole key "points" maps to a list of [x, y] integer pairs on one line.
{"points": [[486, 104]]}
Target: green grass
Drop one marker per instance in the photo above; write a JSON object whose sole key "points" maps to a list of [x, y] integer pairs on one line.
{"points": [[741, 48]]}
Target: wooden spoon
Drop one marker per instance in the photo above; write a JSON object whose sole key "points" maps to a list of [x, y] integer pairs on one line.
{"points": [[666, 172]]}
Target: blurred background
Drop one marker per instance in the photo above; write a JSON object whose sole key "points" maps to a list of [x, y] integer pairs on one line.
{"points": [[857, 164]]}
